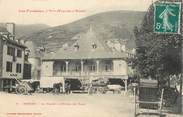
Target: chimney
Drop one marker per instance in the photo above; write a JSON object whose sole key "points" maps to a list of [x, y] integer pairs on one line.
{"points": [[11, 29]]}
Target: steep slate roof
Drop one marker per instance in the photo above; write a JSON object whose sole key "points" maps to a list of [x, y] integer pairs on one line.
{"points": [[85, 50], [15, 43]]}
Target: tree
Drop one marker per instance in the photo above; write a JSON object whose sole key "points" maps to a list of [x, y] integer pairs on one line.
{"points": [[157, 55]]}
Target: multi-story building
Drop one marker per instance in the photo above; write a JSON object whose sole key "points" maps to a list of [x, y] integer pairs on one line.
{"points": [[34, 58], [88, 58], [11, 56]]}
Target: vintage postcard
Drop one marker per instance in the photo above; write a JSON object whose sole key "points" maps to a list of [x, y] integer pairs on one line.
{"points": [[91, 58]]}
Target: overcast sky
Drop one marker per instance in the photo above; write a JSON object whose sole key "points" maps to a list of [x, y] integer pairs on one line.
{"points": [[58, 12]]}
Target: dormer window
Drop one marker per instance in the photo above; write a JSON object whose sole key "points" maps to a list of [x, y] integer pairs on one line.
{"points": [[27, 51], [94, 46], [76, 47]]}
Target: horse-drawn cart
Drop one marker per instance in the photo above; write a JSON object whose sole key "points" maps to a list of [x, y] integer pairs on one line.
{"points": [[98, 86], [55, 84], [103, 85], [22, 87], [148, 98]]}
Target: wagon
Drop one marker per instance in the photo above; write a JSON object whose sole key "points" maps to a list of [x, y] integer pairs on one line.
{"points": [[148, 98], [22, 87], [102, 85], [98, 86], [55, 84]]}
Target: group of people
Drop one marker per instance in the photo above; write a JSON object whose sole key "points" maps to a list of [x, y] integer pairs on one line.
{"points": [[67, 88], [58, 87]]}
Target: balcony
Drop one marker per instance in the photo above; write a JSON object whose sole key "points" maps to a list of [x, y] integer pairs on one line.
{"points": [[86, 73]]}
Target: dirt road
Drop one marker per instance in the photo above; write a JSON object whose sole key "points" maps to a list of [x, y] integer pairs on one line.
{"points": [[73, 105]]}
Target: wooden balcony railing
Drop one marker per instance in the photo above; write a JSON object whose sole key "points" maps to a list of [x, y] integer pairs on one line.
{"points": [[84, 73]]}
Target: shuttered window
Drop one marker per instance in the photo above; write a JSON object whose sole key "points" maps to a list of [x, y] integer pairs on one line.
{"points": [[19, 53], [18, 68], [8, 66], [10, 51]]}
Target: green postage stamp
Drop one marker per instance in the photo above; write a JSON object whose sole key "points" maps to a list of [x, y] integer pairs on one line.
{"points": [[167, 17]]}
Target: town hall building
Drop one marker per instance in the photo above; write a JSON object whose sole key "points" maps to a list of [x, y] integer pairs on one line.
{"points": [[88, 58]]}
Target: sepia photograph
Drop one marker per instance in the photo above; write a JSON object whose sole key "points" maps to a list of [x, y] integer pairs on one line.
{"points": [[91, 58]]}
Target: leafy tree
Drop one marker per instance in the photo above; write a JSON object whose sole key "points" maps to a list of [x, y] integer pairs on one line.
{"points": [[158, 55]]}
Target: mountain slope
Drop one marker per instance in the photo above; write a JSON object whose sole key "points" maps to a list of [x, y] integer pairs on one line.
{"points": [[22, 30], [109, 25]]}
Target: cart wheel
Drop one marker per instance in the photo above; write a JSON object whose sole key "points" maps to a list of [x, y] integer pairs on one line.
{"points": [[102, 90], [94, 90], [105, 91], [21, 90]]}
